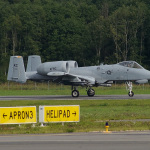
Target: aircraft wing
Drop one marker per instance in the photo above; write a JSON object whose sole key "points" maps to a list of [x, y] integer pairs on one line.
{"points": [[72, 77], [88, 79]]}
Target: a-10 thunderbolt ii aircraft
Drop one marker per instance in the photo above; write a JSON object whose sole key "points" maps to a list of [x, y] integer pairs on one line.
{"points": [[68, 73]]}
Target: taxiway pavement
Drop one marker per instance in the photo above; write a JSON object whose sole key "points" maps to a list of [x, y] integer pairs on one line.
{"points": [[82, 97], [75, 141]]}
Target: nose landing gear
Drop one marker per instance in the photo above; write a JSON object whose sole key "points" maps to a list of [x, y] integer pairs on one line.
{"points": [[131, 93]]}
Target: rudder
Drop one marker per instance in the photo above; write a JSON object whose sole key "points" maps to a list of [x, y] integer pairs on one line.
{"points": [[33, 62], [16, 71]]}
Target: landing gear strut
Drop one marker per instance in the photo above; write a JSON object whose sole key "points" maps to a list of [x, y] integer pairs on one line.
{"points": [[90, 92], [129, 84]]}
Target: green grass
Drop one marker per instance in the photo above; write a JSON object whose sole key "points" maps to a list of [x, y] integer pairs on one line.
{"points": [[31, 88], [93, 115]]}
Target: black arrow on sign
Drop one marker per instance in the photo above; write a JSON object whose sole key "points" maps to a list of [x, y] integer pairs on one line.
{"points": [[74, 113], [4, 115]]}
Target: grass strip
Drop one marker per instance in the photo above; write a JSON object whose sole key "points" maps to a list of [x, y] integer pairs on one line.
{"points": [[93, 115], [33, 88]]}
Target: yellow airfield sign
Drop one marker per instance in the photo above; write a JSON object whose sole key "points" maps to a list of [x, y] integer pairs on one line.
{"points": [[59, 113], [18, 115]]}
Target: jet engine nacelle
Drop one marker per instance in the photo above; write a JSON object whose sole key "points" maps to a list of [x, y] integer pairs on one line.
{"points": [[57, 66], [72, 64]]}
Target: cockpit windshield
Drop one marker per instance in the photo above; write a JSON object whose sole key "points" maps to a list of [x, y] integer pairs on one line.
{"points": [[130, 64]]}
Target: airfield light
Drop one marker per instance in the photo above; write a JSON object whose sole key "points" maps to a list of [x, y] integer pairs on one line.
{"points": [[106, 126]]}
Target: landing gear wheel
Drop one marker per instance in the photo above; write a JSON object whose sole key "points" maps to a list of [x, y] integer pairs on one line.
{"points": [[131, 94], [75, 93], [91, 92], [129, 84]]}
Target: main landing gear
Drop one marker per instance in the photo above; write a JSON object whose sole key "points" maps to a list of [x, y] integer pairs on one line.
{"points": [[90, 92], [75, 92], [131, 93]]}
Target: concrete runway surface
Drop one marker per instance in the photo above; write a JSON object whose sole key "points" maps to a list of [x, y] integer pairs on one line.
{"points": [[68, 97], [77, 141]]}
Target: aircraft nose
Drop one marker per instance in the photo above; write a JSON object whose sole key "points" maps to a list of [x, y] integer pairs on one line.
{"points": [[147, 74]]}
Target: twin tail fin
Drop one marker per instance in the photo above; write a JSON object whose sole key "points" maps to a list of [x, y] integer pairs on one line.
{"points": [[16, 71]]}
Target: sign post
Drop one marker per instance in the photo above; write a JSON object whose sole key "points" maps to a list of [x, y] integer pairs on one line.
{"points": [[18, 115], [59, 113]]}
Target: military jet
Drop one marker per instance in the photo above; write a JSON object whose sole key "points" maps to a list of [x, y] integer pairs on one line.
{"points": [[68, 73]]}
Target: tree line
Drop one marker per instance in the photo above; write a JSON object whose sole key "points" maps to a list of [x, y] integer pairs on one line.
{"points": [[88, 31]]}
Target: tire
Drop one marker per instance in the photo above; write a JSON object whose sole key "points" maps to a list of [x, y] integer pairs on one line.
{"points": [[75, 93], [131, 94], [91, 92]]}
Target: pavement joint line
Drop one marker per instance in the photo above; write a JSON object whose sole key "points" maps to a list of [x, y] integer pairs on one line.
{"points": [[136, 120]]}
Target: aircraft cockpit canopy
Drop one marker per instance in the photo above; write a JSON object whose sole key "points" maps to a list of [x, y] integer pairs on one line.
{"points": [[130, 64]]}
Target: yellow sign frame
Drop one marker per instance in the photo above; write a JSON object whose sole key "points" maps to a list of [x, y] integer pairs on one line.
{"points": [[18, 115], [59, 113]]}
